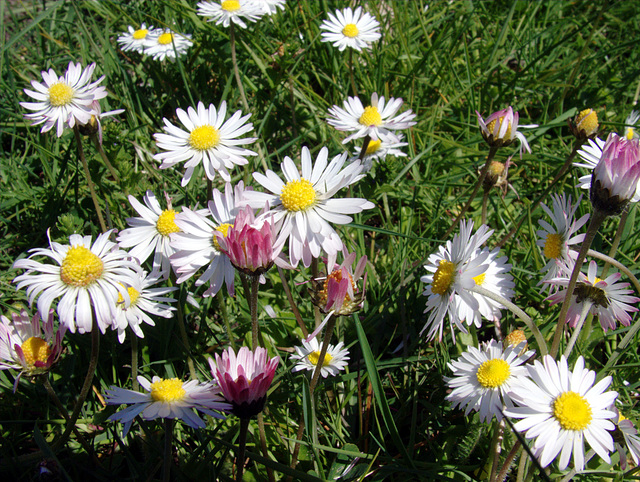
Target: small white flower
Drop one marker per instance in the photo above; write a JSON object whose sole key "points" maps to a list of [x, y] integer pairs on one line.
{"points": [[482, 378], [560, 409], [630, 123], [208, 140], [335, 359], [269, 7], [235, 11], [378, 150], [65, 99], [164, 44], [348, 28], [136, 39], [306, 205], [378, 120]]}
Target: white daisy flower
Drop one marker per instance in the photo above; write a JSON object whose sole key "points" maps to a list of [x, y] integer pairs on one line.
{"points": [[611, 301], [482, 378], [167, 398], [556, 240], [348, 28], [269, 7], [305, 203], [143, 301], [150, 233], [591, 155], [164, 44], [335, 359], [560, 409], [208, 140], [228, 11], [196, 245], [64, 100], [136, 39], [378, 150], [630, 123], [454, 270], [376, 120], [87, 277]]}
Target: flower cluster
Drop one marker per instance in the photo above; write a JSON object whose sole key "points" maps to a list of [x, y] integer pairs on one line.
{"points": [[158, 43]]}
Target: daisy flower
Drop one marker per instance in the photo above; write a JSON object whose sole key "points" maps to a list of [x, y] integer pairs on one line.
{"points": [[335, 359], [348, 28], [87, 277], [630, 125], [143, 301], [501, 129], [454, 271], [208, 139], [244, 379], [150, 233], [560, 409], [136, 39], [164, 44], [196, 245], [610, 301], [269, 7], [64, 100], [235, 11], [376, 120], [305, 203], [378, 150], [626, 438], [94, 126], [167, 398], [556, 240], [28, 345], [483, 377]]}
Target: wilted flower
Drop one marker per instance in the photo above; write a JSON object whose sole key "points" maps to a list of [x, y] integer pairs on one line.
{"points": [[500, 129]]}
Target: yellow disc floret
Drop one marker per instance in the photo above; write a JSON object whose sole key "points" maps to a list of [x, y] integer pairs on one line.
{"points": [[133, 296], [444, 277], [298, 195], [493, 373], [169, 390], [587, 121], [314, 357], [373, 147], [224, 229], [350, 30], [514, 338], [204, 137], [230, 5], [337, 276], [35, 349], [492, 125], [166, 222], [479, 279], [80, 267], [553, 246], [572, 411], [60, 94], [165, 38], [370, 116], [140, 33]]}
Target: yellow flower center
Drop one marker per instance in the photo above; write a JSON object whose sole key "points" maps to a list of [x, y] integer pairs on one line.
{"points": [[204, 137], [493, 373], [140, 33], [491, 125], [630, 133], [350, 30], [443, 277], [336, 275], [224, 229], [587, 121], [572, 411], [166, 222], [230, 5], [298, 195], [314, 357], [479, 279], [80, 267], [553, 245], [35, 349], [515, 338], [169, 390], [373, 147], [370, 116], [496, 168], [133, 296], [60, 94], [621, 417], [165, 38]]}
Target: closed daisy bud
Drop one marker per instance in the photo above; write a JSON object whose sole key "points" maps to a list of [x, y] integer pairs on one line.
{"points": [[585, 125]]}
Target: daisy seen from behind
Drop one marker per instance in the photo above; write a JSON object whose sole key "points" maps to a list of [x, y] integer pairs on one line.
{"points": [[349, 28], [208, 140], [305, 202], [483, 376], [377, 120], [167, 398], [308, 356], [136, 39], [64, 100], [231, 11], [561, 408], [165, 44], [86, 276]]}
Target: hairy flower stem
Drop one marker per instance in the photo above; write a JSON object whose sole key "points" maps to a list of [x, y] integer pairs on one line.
{"points": [[485, 201], [242, 444], [616, 240], [87, 174], [104, 157], [586, 306], [542, 344], [594, 224], [502, 474], [483, 174], [496, 446], [365, 146], [167, 456], [134, 362]]}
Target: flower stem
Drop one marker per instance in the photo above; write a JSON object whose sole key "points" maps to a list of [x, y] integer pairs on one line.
{"points": [[166, 458], [485, 201], [225, 318], [351, 76], [365, 146], [586, 306], [242, 444], [502, 474], [134, 362], [183, 334], [594, 224], [87, 174], [103, 154], [263, 444], [294, 308], [253, 307], [542, 344], [496, 444]]}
